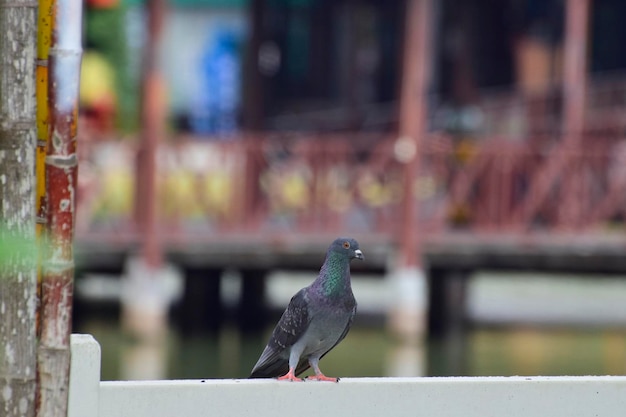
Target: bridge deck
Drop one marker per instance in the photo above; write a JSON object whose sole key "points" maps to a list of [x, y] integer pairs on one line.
{"points": [[583, 253]]}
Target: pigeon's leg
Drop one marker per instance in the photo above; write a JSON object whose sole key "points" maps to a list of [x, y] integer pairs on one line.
{"points": [[319, 376], [294, 358]]}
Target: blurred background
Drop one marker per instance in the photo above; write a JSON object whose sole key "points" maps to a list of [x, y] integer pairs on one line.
{"points": [[225, 143]]}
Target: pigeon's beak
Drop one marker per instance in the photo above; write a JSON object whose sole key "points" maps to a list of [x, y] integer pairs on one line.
{"points": [[358, 254]]}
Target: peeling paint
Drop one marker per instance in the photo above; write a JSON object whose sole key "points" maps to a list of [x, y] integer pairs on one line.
{"points": [[23, 405], [61, 161], [66, 73], [7, 393], [9, 354], [32, 306], [57, 140]]}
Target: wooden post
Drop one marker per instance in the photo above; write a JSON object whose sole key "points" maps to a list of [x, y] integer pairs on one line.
{"points": [[412, 126], [409, 316], [152, 119], [573, 121], [61, 162], [253, 114], [145, 298], [18, 135], [574, 90], [253, 103], [575, 68]]}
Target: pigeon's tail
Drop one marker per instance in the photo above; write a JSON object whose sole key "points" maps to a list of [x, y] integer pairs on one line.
{"points": [[276, 368], [271, 369]]}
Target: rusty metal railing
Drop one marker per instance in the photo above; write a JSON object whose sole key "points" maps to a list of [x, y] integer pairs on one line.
{"points": [[325, 184]]}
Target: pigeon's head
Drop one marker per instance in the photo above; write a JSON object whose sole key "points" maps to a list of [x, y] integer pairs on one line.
{"points": [[347, 246]]}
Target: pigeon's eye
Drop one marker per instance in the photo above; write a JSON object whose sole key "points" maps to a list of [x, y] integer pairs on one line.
{"points": [[346, 245]]}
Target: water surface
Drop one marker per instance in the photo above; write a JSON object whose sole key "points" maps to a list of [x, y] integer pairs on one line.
{"points": [[372, 352]]}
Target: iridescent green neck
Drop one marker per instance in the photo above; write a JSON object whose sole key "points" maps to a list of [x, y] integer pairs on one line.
{"points": [[334, 275]]}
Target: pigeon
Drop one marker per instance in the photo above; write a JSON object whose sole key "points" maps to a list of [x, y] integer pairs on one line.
{"points": [[317, 318]]}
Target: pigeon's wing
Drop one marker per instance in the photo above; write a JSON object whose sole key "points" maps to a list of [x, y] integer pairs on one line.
{"points": [[304, 366], [274, 360]]}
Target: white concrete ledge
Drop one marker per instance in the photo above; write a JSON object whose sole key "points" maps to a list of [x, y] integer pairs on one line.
{"points": [[84, 376], [433, 397]]}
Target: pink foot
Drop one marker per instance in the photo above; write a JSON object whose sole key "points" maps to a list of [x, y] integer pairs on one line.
{"points": [[322, 377], [289, 376]]}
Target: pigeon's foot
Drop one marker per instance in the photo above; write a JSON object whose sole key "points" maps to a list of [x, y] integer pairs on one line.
{"points": [[322, 377], [289, 376]]}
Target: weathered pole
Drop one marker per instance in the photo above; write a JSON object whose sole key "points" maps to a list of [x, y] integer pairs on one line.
{"points": [[408, 318], [44, 35], [18, 266], [61, 163]]}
